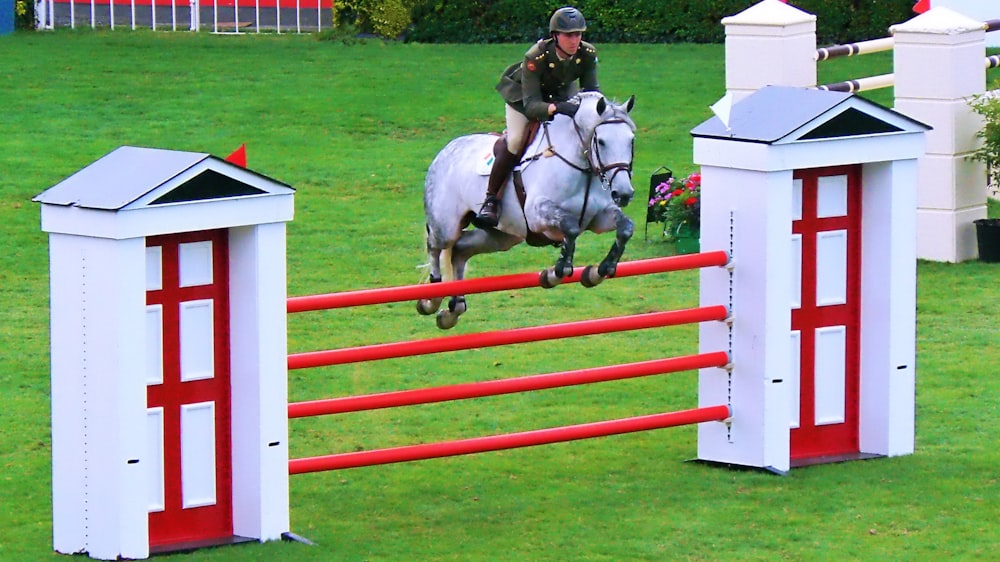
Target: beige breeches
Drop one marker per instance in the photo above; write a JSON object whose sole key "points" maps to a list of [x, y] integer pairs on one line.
{"points": [[517, 125]]}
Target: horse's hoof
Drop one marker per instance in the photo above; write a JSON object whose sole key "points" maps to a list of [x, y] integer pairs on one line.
{"points": [[457, 306], [446, 320], [591, 277], [548, 279], [607, 270], [427, 307]]}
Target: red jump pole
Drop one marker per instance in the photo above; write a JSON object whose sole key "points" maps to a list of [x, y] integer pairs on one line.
{"points": [[488, 284], [505, 386], [505, 337], [508, 441]]}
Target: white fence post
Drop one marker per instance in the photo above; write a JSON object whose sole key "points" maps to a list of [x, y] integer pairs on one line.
{"points": [[769, 44], [938, 60]]}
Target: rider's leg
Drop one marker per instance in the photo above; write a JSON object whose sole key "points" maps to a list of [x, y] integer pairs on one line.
{"points": [[505, 152]]}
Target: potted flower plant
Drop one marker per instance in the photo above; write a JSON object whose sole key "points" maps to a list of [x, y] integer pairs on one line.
{"points": [[677, 203]]}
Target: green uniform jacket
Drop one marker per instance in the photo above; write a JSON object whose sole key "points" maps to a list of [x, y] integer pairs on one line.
{"points": [[541, 78]]}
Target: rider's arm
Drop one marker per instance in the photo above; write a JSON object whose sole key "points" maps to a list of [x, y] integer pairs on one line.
{"points": [[588, 60], [531, 88]]}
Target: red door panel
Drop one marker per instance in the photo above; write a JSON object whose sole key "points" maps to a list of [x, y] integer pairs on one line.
{"points": [[188, 302], [827, 320]]}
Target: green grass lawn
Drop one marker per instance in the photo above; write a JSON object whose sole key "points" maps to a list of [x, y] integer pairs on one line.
{"points": [[353, 129]]}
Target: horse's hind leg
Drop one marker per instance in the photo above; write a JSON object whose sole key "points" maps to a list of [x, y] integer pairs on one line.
{"points": [[471, 243], [448, 317], [430, 306]]}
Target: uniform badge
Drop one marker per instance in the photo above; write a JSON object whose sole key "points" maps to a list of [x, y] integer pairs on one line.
{"points": [[531, 65]]}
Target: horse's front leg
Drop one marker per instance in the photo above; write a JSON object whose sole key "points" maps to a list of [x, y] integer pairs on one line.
{"points": [[564, 265], [624, 229]]}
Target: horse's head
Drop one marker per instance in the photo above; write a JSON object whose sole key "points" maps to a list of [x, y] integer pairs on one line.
{"points": [[609, 135]]}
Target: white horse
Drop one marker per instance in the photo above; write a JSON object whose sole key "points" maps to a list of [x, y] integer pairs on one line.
{"points": [[577, 174]]}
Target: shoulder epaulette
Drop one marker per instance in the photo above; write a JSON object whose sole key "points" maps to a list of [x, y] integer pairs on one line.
{"points": [[537, 51]]}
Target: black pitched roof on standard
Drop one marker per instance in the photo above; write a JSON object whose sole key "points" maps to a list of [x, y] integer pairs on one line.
{"points": [[773, 113], [127, 173]]}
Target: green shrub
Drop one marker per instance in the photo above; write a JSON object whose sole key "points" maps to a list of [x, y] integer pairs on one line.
{"points": [[24, 14], [385, 18], [988, 106]]}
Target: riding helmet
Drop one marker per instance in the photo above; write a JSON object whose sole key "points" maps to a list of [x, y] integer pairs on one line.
{"points": [[567, 20]]}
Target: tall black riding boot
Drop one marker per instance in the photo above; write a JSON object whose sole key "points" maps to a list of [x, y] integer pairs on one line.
{"points": [[502, 166]]}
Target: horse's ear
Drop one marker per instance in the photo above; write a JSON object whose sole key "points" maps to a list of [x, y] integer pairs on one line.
{"points": [[602, 104], [630, 104]]}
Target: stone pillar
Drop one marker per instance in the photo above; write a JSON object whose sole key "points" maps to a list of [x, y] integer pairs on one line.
{"points": [[769, 44], [939, 66]]}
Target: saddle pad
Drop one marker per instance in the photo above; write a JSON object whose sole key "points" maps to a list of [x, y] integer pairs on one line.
{"points": [[485, 163]]}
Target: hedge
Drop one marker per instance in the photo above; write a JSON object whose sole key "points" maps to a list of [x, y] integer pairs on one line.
{"points": [[609, 21]]}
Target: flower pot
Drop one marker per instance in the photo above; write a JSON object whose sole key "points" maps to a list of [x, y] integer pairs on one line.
{"points": [[988, 236], [687, 239]]}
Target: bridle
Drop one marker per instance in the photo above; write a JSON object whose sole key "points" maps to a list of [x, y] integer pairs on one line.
{"points": [[595, 165]]}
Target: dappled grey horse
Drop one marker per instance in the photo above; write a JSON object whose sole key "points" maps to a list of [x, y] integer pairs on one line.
{"points": [[576, 174]]}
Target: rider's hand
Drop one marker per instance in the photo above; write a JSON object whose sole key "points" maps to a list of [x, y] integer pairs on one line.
{"points": [[567, 107]]}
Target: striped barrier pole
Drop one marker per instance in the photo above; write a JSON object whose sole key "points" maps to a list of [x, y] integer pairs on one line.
{"points": [[860, 84], [852, 49]]}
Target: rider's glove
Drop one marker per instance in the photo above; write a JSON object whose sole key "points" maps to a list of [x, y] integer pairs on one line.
{"points": [[567, 107]]}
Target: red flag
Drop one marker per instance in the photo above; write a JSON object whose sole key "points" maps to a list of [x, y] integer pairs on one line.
{"points": [[239, 157], [922, 6]]}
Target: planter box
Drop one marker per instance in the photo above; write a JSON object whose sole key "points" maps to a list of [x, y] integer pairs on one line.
{"points": [[988, 236]]}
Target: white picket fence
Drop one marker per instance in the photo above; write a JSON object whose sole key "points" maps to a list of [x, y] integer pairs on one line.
{"points": [[217, 16]]}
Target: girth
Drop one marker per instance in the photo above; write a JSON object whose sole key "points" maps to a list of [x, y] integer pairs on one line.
{"points": [[532, 238]]}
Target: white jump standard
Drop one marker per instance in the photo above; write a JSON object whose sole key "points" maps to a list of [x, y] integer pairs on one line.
{"points": [[813, 192], [169, 423]]}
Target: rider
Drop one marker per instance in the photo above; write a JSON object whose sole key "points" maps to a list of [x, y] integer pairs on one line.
{"points": [[536, 89]]}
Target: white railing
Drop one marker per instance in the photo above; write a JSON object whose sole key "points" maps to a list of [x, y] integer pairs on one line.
{"points": [[216, 16]]}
